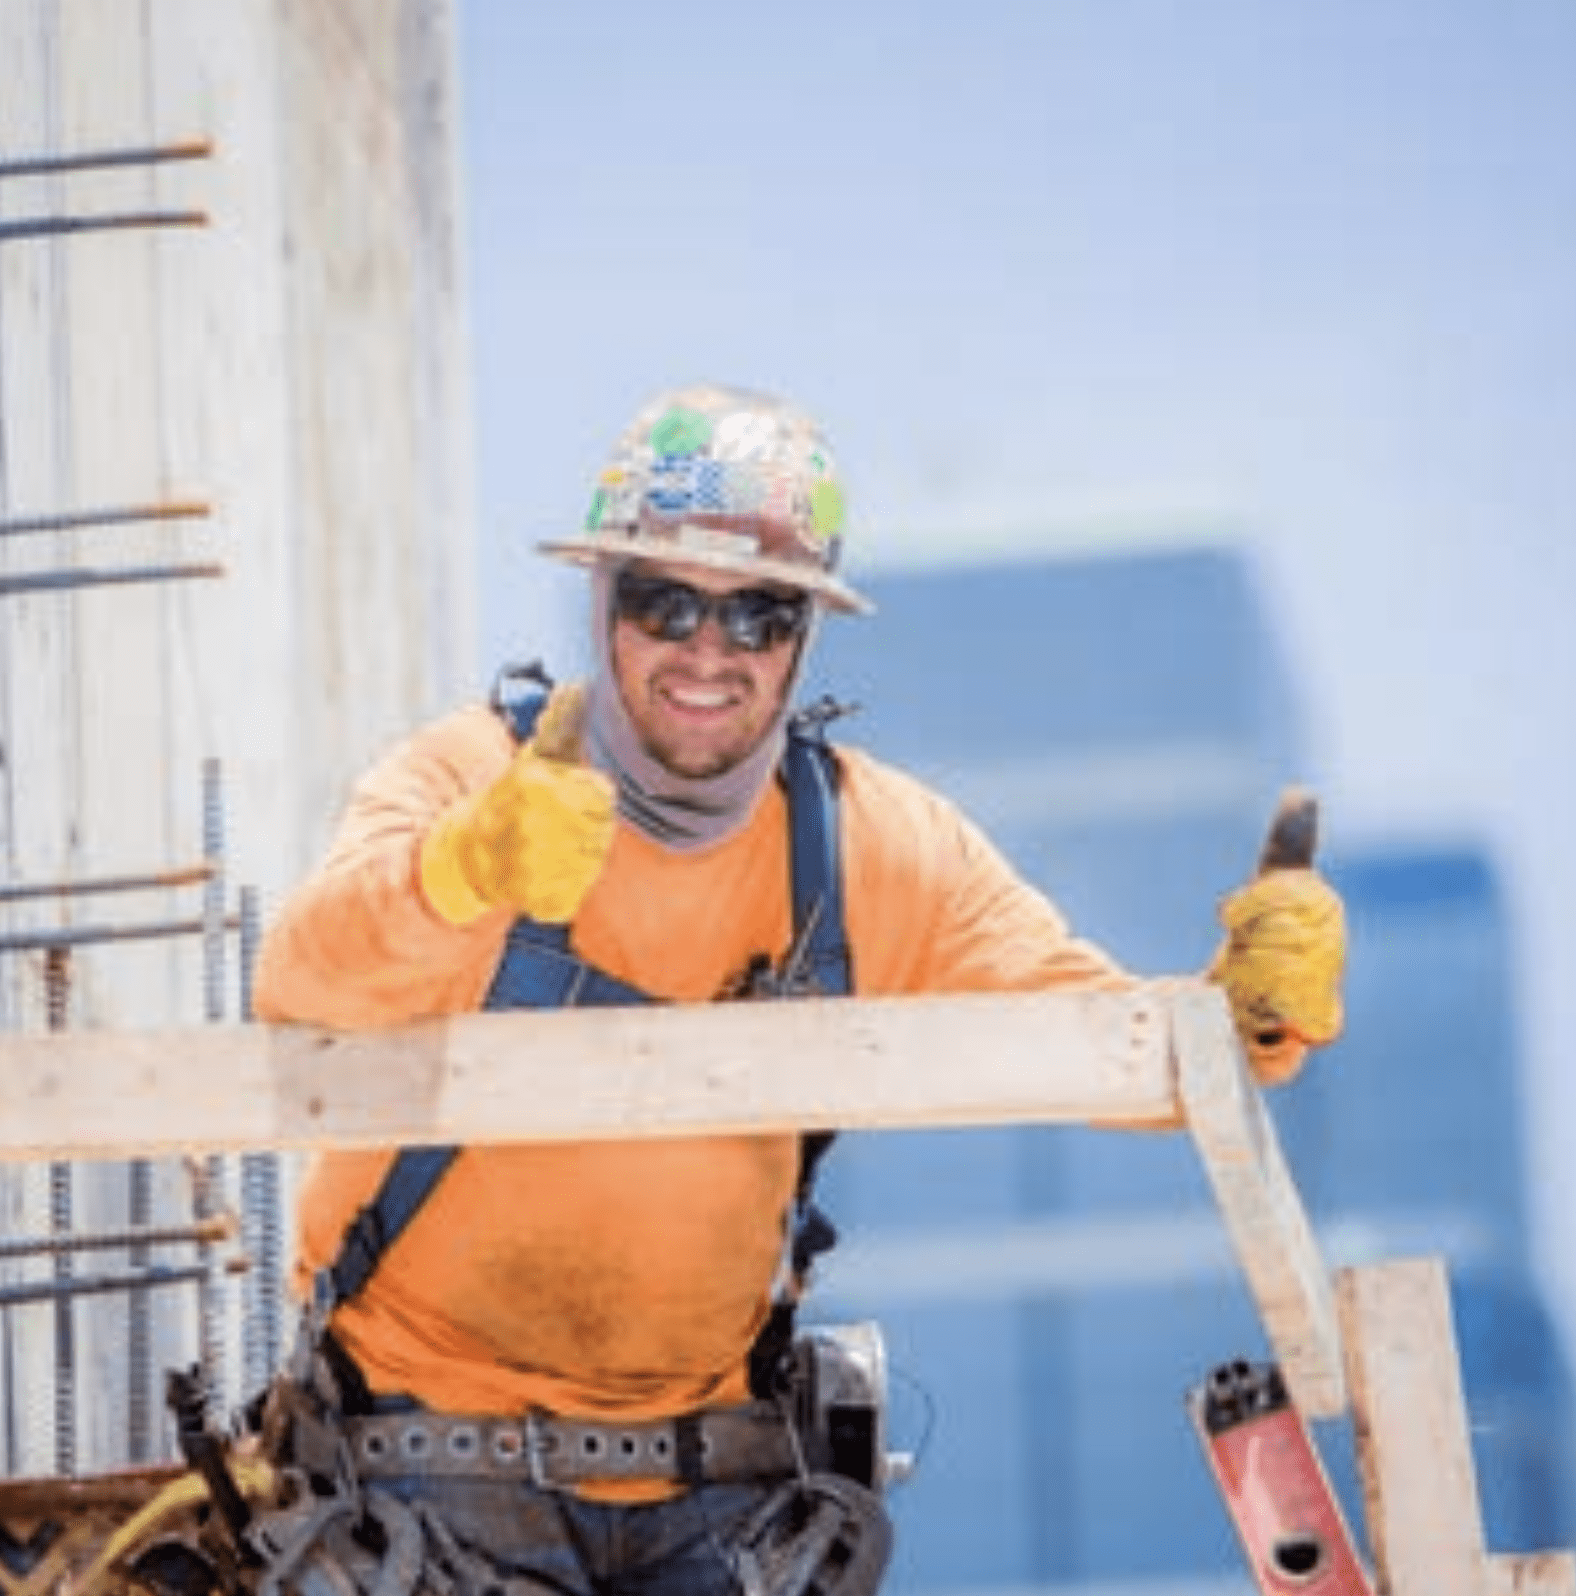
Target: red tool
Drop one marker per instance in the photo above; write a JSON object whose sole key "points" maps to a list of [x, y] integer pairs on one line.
{"points": [[1274, 1485]]}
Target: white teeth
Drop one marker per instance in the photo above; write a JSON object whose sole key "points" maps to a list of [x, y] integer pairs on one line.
{"points": [[698, 697]]}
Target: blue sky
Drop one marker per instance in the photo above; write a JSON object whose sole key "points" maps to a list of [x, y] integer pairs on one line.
{"points": [[1084, 272]]}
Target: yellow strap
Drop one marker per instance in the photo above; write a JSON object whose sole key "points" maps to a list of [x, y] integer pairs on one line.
{"points": [[253, 1477]]}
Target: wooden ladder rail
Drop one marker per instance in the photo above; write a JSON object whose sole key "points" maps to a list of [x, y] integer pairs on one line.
{"points": [[1375, 1338]]}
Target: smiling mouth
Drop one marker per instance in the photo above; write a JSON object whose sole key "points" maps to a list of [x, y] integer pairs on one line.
{"points": [[694, 699]]}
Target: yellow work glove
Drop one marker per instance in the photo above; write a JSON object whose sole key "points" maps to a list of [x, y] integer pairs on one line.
{"points": [[1285, 949], [536, 839]]}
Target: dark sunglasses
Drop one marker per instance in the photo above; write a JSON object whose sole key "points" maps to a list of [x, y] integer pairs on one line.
{"points": [[752, 618]]}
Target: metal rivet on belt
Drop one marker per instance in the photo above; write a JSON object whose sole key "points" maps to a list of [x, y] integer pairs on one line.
{"points": [[465, 1441], [374, 1446], [629, 1445], [507, 1445], [591, 1444], [416, 1442], [662, 1446]]}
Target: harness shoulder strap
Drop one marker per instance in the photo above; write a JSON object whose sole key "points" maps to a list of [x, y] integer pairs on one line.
{"points": [[408, 1183], [415, 1172], [815, 855]]}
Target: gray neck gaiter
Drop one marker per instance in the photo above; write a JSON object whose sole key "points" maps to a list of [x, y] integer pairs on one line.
{"points": [[685, 813]]}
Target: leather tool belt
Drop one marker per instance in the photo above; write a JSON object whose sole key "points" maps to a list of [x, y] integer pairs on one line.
{"points": [[749, 1442]]}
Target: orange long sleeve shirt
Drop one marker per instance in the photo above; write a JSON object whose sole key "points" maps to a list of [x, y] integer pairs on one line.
{"points": [[620, 1279]]}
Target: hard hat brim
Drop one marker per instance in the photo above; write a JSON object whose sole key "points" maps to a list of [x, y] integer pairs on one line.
{"points": [[590, 548]]}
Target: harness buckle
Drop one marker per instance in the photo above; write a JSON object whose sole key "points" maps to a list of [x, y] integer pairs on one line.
{"points": [[538, 1445], [811, 720], [323, 1299]]}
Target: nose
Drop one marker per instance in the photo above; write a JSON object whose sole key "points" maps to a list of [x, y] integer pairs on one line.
{"points": [[710, 638]]}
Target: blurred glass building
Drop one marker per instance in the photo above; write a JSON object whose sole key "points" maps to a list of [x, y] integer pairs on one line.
{"points": [[1121, 726]]}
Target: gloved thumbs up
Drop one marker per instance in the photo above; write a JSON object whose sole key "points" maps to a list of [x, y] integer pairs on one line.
{"points": [[1285, 947], [536, 839]]}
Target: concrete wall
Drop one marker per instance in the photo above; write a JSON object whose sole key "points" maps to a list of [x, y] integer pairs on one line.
{"points": [[296, 363]]}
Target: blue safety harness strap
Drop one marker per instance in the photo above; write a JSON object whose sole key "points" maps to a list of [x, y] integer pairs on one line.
{"points": [[406, 1186], [826, 965], [540, 969]]}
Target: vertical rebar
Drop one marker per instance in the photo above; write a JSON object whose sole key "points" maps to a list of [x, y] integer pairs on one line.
{"points": [[249, 935], [213, 891], [8, 1393], [57, 988], [139, 1329], [261, 1219], [57, 1005], [210, 1187]]}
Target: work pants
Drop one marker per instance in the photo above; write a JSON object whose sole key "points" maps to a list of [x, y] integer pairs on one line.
{"points": [[511, 1538]]}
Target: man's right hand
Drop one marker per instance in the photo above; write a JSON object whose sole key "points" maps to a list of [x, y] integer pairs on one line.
{"points": [[536, 839]]}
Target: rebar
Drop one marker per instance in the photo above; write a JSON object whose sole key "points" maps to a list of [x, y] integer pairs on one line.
{"points": [[77, 936], [262, 1236], [251, 936], [63, 1292], [108, 515], [106, 576], [217, 1227], [91, 160], [139, 1317], [57, 986], [181, 876], [105, 222], [63, 1288], [57, 1003], [211, 1297], [262, 1220], [213, 917], [208, 1175]]}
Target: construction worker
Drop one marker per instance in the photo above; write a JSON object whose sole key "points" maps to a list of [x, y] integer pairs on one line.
{"points": [[573, 1366]]}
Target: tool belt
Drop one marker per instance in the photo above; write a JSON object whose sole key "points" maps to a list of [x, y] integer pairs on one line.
{"points": [[749, 1442], [318, 1504], [319, 1417]]}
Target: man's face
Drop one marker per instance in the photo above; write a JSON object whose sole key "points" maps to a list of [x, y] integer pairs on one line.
{"points": [[699, 704]]}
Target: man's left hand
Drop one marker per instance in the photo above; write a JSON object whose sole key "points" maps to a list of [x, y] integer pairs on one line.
{"points": [[1281, 964]]}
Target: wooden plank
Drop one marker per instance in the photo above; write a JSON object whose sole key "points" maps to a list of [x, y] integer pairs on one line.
{"points": [[1532, 1574], [1089, 1057], [1414, 1450], [1258, 1200]]}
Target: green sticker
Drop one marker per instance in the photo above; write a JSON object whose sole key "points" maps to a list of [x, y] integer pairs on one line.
{"points": [[826, 507], [681, 431], [597, 510]]}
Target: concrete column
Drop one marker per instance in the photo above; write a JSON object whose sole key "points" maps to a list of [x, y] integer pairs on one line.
{"points": [[252, 316]]}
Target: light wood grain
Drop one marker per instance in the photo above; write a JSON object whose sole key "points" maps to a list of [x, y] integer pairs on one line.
{"points": [[1414, 1450], [1258, 1201], [1090, 1057]]}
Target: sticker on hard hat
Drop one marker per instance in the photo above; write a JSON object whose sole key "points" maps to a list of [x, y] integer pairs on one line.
{"points": [[688, 485], [712, 540]]}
